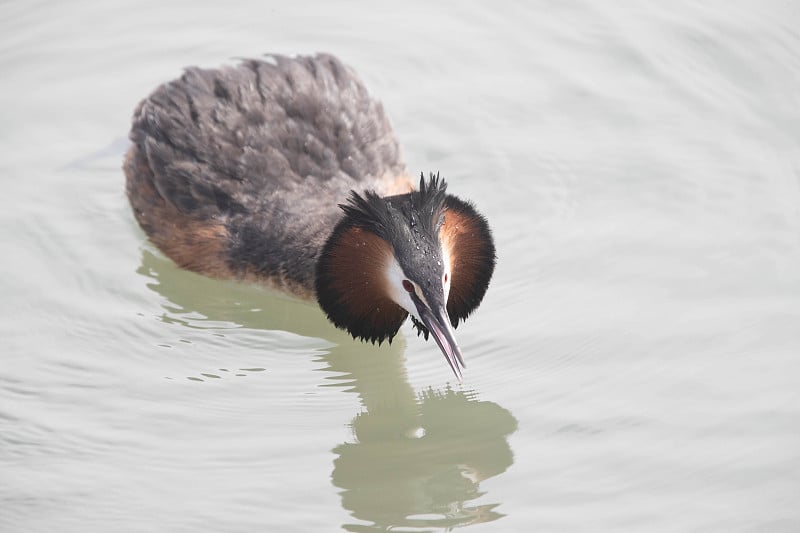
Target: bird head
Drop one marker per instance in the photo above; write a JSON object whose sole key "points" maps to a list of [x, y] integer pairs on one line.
{"points": [[425, 253]]}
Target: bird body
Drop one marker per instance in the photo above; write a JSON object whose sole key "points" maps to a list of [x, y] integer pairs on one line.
{"points": [[285, 171]]}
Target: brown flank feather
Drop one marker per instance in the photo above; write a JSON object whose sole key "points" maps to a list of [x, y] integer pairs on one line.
{"points": [[194, 244]]}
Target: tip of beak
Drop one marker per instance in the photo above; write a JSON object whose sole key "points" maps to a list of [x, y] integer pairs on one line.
{"points": [[456, 370], [459, 377], [458, 365], [443, 334]]}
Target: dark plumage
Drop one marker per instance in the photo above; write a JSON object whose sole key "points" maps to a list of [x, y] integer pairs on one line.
{"points": [[238, 173]]}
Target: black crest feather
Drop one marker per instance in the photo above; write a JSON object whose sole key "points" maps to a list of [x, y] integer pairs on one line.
{"points": [[423, 209], [429, 202]]}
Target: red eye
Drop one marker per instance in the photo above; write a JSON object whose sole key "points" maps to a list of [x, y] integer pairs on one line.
{"points": [[446, 277], [407, 285]]}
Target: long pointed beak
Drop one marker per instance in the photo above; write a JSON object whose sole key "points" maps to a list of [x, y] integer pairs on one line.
{"points": [[437, 321]]}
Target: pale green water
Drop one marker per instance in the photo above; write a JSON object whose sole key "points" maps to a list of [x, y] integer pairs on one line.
{"points": [[634, 367]]}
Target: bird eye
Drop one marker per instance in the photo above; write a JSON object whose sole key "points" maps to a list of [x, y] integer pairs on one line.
{"points": [[407, 285], [446, 277]]}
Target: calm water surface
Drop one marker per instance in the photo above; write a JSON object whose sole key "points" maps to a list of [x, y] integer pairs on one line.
{"points": [[635, 365]]}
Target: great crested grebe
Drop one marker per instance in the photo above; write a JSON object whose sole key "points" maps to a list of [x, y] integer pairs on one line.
{"points": [[285, 172]]}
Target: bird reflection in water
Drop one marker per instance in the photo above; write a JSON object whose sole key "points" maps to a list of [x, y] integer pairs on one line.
{"points": [[421, 468], [416, 459]]}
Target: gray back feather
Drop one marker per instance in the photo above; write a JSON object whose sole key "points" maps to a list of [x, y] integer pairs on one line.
{"points": [[269, 147], [218, 140]]}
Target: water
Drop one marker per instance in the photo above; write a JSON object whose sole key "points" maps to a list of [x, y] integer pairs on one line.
{"points": [[634, 367]]}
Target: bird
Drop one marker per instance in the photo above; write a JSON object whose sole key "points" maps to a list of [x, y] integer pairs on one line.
{"points": [[284, 171]]}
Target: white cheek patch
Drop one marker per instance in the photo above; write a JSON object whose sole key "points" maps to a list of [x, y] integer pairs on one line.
{"points": [[447, 272], [394, 278]]}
